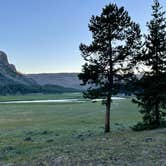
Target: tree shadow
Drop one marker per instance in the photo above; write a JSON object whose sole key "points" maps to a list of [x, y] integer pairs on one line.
{"points": [[140, 126]]}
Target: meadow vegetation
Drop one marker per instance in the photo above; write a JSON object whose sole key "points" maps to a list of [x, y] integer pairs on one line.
{"points": [[72, 133]]}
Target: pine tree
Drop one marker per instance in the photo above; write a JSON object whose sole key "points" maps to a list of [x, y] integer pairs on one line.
{"points": [[110, 56], [152, 95]]}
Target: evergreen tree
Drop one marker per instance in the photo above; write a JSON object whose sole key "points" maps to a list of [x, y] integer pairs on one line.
{"points": [[152, 95], [110, 56]]}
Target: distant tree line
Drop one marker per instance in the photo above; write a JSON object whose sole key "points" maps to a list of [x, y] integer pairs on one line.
{"points": [[13, 89], [119, 53]]}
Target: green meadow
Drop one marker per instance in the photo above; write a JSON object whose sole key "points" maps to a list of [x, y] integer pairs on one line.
{"points": [[65, 133]]}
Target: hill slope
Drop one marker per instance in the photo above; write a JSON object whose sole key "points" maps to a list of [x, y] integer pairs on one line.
{"points": [[69, 80], [9, 74], [13, 82]]}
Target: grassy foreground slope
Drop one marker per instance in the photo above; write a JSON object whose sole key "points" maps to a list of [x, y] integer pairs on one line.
{"points": [[72, 134]]}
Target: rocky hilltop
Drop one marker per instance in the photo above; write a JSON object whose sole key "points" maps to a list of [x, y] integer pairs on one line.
{"points": [[4, 61], [9, 74], [13, 82]]}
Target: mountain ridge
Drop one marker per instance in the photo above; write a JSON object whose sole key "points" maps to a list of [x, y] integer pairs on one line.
{"points": [[69, 80], [14, 82], [9, 73]]}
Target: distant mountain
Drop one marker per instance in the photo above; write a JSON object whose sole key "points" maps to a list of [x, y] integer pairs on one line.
{"points": [[9, 74], [69, 80], [13, 82]]}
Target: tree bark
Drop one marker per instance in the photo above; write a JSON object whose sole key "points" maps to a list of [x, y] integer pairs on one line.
{"points": [[107, 115], [110, 80]]}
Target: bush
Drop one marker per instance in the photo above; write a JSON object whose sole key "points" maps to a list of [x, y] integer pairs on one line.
{"points": [[140, 126]]}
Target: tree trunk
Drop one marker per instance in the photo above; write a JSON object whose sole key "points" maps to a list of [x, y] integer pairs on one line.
{"points": [[110, 80], [107, 115], [157, 113]]}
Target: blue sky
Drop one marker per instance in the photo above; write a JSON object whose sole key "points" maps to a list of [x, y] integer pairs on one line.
{"points": [[43, 36]]}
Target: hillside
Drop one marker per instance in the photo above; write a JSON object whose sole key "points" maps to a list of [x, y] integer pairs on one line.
{"points": [[9, 74], [69, 80], [13, 82]]}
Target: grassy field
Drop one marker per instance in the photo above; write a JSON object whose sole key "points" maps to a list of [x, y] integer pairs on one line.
{"points": [[68, 133], [41, 97]]}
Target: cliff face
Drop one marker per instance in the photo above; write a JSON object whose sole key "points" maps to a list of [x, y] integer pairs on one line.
{"points": [[4, 61], [9, 74]]}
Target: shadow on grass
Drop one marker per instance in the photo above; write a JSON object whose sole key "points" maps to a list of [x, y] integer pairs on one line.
{"points": [[142, 126]]}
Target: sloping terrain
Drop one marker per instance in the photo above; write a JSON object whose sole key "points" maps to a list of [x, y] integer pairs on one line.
{"points": [[13, 82], [9, 74], [69, 80]]}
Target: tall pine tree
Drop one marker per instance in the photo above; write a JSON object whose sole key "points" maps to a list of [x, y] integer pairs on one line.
{"points": [[152, 95], [110, 56]]}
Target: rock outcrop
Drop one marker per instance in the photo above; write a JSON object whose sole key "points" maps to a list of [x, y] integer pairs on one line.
{"points": [[4, 61], [9, 74]]}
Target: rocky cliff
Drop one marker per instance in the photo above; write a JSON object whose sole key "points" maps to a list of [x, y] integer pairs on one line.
{"points": [[9, 74]]}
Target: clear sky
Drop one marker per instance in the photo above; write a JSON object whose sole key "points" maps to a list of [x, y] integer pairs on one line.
{"points": [[43, 36]]}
